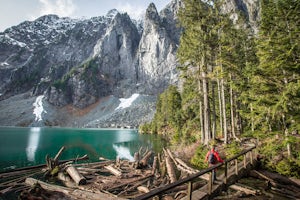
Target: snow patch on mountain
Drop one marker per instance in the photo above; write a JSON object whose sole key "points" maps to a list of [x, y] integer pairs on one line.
{"points": [[125, 103]]}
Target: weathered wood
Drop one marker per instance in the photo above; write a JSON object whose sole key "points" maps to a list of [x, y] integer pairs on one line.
{"points": [[154, 166], [75, 175], [143, 189], [129, 182], [75, 194], [186, 167], [244, 189], [144, 161], [66, 180], [170, 169], [273, 177], [59, 154], [113, 170]]}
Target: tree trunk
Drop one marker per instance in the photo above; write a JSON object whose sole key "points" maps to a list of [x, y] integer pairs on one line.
{"points": [[220, 107], [252, 118], [224, 111], [231, 109], [206, 109], [239, 124], [200, 109], [288, 145], [214, 118]]}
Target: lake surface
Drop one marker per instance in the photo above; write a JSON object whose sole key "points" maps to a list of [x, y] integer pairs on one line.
{"points": [[21, 147]]}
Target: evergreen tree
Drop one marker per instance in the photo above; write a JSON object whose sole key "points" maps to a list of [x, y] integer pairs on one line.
{"points": [[196, 49], [277, 81]]}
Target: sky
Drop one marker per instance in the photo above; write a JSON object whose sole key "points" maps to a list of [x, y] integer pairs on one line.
{"points": [[13, 12]]}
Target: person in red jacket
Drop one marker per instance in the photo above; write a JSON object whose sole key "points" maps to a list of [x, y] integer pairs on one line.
{"points": [[213, 158]]}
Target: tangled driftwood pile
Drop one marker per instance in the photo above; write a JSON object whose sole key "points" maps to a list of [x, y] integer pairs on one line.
{"points": [[117, 179]]}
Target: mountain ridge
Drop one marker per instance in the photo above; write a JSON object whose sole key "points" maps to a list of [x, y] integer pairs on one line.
{"points": [[78, 62]]}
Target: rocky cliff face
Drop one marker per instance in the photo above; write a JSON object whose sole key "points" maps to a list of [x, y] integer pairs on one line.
{"points": [[79, 62]]}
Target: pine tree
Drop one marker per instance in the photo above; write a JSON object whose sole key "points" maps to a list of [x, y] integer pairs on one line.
{"points": [[196, 47], [279, 69]]}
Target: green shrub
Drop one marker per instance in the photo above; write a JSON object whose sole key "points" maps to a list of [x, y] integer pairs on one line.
{"points": [[198, 160]]}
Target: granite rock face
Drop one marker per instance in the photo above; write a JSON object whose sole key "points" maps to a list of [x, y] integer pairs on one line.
{"points": [[78, 62]]}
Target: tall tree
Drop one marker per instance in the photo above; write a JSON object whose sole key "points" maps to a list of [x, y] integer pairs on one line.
{"points": [[196, 49], [279, 69]]}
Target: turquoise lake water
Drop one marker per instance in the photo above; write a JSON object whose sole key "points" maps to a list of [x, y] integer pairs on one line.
{"points": [[21, 147]]}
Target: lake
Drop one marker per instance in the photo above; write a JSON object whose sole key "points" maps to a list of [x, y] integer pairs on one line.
{"points": [[21, 147]]}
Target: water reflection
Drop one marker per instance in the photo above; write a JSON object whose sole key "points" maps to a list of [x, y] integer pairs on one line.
{"points": [[33, 142], [123, 152]]}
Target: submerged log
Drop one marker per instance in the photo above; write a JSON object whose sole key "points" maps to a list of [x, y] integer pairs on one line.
{"points": [[75, 175]]}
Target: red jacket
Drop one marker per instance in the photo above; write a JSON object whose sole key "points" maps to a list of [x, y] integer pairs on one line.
{"points": [[216, 154]]}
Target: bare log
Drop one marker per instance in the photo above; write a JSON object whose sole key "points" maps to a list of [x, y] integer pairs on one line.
{"points": [[75, 175], [170, 169], [140, 179], [143, 189], [186, 168], [66, 180], [75, 194], [59, 154], [144, 161], [154, 166], [113, 170], [244, 189], [273, 177]]}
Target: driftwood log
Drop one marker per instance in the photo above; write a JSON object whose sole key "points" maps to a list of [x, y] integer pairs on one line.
{"points": [[75, 175], [113, 179], [70, 192], [170, 169], [244, 189], [145, 160]]}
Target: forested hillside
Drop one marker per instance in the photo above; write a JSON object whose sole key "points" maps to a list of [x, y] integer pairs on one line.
{"points": [[237, 84]]}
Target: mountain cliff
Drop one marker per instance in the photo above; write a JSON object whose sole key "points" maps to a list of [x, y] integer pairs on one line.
{"points": [[80, 68]]}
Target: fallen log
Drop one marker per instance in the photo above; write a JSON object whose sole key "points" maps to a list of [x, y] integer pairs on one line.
{"points": [[244, 189], [154, 166], [66, 180], [273, 177], [113, 170], [275, 181], [75, 175], [187, 169], [22, 170], [143, 189], [144, 161], [170, 169], [140, 179], [75, 194]]}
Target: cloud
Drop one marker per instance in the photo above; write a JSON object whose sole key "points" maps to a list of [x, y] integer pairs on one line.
{"points": [[63, 8], [134, 11]]}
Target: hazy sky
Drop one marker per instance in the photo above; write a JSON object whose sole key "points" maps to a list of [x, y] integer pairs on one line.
{"points": [[13, 12]]}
